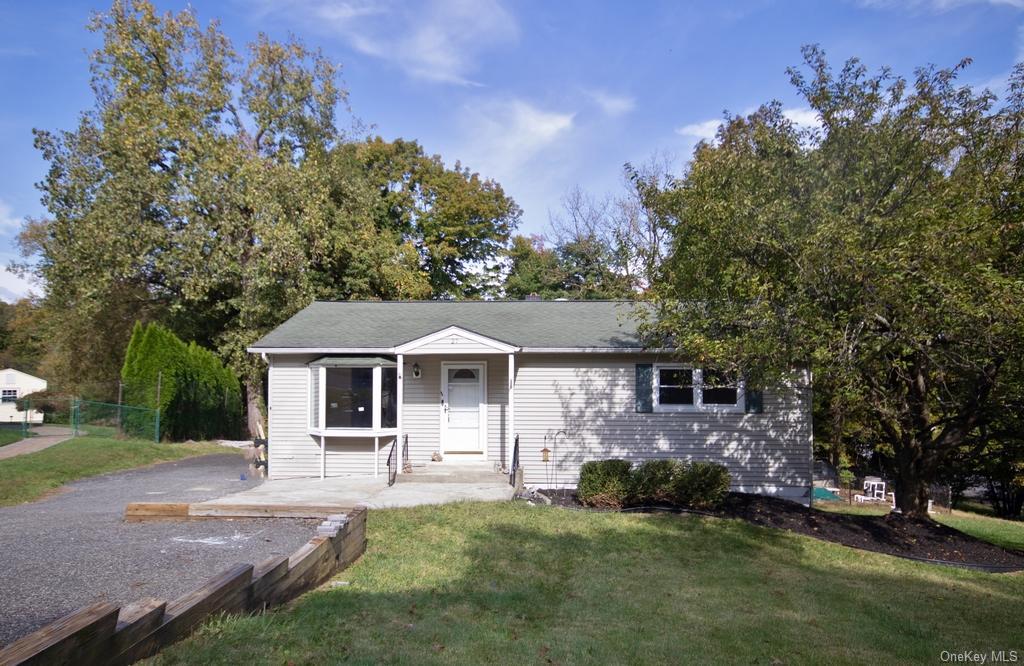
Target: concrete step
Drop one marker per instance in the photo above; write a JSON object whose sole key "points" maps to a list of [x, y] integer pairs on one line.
{"points": [[482, 472]]}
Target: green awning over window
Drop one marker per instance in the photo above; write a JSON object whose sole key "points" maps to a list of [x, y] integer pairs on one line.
{"points": [[353, 362]]}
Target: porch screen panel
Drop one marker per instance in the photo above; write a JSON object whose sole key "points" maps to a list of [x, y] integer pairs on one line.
{"points": [[389, 397], [349, 398]]}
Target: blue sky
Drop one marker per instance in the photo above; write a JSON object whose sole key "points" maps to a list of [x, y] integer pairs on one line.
{"points": [[539, 95]]}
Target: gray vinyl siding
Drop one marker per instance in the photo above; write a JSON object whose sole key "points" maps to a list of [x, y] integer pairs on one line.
{"points": [[589, 396], [592, 398], [293, 451], [421, 413]]}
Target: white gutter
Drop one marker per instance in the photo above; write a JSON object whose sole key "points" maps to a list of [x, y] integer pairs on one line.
{"points": [[392, 350]]}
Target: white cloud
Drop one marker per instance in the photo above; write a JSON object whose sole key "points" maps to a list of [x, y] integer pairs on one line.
{"points": [[704, 130], [12, 287], [532, 150], [439, 41], [937, 5], [613, 105], [804, 117], [8, 222], [504, 135]]}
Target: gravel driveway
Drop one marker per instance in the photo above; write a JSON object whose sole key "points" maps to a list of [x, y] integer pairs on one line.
{"points": [[64, 552]]}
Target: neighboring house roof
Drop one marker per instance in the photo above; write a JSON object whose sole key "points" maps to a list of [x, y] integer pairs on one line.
{"points": [[342, 325], [11, 376]]}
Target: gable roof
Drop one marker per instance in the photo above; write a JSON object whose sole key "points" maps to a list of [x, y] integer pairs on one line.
{"points": [[383, 325]]}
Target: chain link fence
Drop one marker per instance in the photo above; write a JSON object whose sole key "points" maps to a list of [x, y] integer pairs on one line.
{"points": [[93, 417]]}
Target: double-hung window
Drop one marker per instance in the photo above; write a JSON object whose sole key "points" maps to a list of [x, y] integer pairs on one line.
{"points": [[353, 394], [679, 388], [10, 395]]}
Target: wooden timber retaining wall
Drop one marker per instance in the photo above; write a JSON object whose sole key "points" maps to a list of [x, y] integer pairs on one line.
{"points": [[106, 634]]}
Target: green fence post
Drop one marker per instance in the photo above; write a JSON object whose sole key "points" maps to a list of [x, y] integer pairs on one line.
{"points": [[27, 406], [74, 417], [156, 437]]}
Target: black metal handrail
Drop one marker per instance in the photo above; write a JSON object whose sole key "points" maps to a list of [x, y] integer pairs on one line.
{"points": [[406, 465], [515, 463], [393, 463]]}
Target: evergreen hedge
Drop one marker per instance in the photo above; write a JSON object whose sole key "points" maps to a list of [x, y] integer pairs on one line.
{"points": [[199, 397], [616, 483]]}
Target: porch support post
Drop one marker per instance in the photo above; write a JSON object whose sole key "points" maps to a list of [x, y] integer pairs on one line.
{"points": [[510, 439], [323, 457], [401, 401], [376, 456]]}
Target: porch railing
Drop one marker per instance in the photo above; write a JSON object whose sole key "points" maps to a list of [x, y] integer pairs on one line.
{"points": [[393, 463], [406, 465], [514, 467]]}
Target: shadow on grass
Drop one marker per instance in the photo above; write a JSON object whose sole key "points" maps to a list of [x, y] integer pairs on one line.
{"points": [[512, 584]]}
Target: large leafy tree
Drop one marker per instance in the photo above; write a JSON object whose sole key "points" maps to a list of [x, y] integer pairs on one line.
{"points": [[579, 268], [458, 222], [534, 270], [218, 192], [881, 249]]}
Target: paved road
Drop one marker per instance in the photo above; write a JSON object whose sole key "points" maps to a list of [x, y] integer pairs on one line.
{"points": [[45, 437], [72, 549]]}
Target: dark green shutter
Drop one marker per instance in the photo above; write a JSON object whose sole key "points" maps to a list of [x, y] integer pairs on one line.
{"points": [[644, 383], [754, 402]]}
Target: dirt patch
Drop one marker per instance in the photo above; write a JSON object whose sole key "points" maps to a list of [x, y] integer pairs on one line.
{"points": [[891, 534]]}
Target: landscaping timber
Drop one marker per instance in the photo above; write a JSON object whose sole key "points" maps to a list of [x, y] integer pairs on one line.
{"points": [[103, 634], [149, 511]]}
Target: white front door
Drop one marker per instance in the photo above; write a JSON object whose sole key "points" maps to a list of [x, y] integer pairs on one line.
{"points": [[463, 408]]}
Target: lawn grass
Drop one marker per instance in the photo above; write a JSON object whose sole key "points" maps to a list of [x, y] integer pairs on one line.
{"points": [[28, 477], [1005, 533], [510, 583], [10, 435]]}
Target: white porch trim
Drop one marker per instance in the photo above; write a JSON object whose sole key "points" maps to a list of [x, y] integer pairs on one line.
{"points": [[510, 438], [401, 408], [494, 346]]}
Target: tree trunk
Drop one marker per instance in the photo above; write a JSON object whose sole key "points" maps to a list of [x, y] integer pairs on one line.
{"points": [[254, 408], [911, 483]]}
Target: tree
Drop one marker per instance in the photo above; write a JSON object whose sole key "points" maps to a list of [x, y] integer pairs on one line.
{"points": [[881, 249], [21, 343], [533, 270], [197, 397], [458, 222], [578, 269], [217, 193]]}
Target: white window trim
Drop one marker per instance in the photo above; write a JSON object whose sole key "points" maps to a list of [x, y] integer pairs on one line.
{"points": [[698, 392], [376, 404]]}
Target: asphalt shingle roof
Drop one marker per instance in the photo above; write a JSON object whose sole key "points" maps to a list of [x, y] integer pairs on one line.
{"points": [[535, 324]]}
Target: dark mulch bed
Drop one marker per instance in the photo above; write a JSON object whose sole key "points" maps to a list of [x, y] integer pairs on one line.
{"points": [[891, 534]]}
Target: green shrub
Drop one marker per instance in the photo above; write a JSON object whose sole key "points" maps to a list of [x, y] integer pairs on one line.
{"points": [[605, 483], [199, 397], [653, 481], [700, 485]]}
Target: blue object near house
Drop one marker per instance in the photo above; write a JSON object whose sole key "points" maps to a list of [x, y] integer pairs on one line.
{"points": [[825, 495]]}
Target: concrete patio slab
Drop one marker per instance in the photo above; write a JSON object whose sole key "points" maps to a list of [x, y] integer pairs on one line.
{"points": [[368, 491], [45, 437]]}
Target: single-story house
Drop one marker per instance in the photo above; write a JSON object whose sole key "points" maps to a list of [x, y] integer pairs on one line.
{"points": [[570, 381], [15, 384]]}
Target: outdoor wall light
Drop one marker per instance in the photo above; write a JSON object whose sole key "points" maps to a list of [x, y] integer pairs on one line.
{"points": [[415, 370]]}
